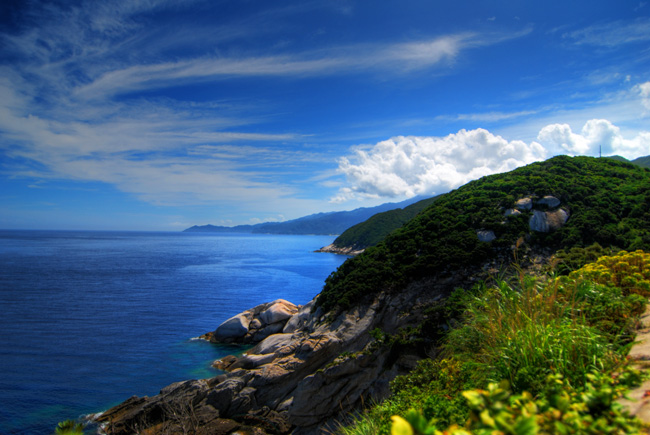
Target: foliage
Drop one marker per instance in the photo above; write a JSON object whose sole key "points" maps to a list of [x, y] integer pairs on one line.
{"points": [[526, 331], [628, 271], [559, 409], [69, 427], [608, 203], [564, 262], [559, 344], [375, 229], [434, 387], [642, 161]]}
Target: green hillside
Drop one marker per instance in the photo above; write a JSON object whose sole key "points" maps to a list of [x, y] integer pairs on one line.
{"points": [[375, 229], [642, 161], [608, 202]]}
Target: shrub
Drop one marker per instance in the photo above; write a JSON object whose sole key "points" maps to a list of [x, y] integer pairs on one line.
{"points": [[629, 271], [558, 409]]}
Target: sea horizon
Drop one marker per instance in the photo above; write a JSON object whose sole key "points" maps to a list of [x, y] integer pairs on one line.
{"points": [[93, 317]]}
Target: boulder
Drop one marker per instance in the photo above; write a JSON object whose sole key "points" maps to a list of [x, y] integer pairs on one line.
{"points": [[549, 201], [279, 311], [544, 222], [524, 204], [271, 344], [233, 328], [556, 219], [486, 236], [299, 319], [512, 212], [254, 325]]}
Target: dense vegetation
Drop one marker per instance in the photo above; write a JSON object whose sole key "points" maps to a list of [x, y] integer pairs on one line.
{"points": [[608, 203], [533, 354], [641, 161], [375, 229]]}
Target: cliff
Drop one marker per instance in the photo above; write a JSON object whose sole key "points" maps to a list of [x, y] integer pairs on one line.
{"points": [[385, 309]]}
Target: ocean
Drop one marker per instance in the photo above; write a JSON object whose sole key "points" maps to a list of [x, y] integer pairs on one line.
{"points": [[91, 318]]}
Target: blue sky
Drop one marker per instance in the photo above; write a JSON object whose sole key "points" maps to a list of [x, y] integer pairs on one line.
{"points": [[161, 114]]}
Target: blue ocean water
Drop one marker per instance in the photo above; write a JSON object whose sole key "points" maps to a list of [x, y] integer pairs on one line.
{"points": [[90, 318]]}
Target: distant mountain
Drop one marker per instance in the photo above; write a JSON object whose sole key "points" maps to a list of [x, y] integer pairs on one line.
{"points": [[372, 231], [641, 161], [319, 223]]}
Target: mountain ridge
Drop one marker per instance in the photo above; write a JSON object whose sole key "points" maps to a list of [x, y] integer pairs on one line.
{"points": [[324, 223], [357, 238]]}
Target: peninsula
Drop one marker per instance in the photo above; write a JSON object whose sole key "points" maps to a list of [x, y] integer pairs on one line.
{"points": [[389, 311]]}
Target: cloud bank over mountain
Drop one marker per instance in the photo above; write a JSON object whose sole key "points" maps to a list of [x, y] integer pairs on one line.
{"points": [[412, 165], [597, 135]]}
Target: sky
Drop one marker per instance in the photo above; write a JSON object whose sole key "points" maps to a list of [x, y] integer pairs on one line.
{"points": [[163, 114]]}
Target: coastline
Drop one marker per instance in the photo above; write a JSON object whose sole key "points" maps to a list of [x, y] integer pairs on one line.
{"points": [[346, 250]]}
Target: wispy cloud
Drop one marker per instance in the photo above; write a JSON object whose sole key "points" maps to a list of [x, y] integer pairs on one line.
{"points": [[63, 115], [393, 58], [486, 116], [612, 34]]}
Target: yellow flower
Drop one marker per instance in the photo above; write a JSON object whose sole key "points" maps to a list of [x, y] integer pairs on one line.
{"points": [[400, 426]]}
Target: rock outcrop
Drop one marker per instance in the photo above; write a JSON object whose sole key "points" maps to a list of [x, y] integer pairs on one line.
{"points": [[486, 236], [546, 216], [524, 204], [254, 325], [546, 221], [301, 380], [346, 250]]}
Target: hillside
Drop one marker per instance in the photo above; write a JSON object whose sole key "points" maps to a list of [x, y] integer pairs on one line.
{"points": [[607, 202], [641, 161], [319, 223], [386, 309], [376, 228], [371, 232]]}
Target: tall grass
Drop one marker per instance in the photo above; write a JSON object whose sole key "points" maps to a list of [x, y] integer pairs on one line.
{"points": [[527, 330], [524, 332]]}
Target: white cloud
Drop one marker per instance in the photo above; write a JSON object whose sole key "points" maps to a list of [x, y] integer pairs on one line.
{"points": [[396, 58], [410, 166], [643, 90], [613, 34], [486, 116], [595, 134]]}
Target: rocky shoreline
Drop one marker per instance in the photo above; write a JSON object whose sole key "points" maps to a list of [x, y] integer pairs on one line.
{"points": [[346, 250], [307, 369], [302, 379]]}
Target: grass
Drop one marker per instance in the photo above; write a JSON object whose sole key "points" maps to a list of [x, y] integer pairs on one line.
{"points": [[558, 343]]}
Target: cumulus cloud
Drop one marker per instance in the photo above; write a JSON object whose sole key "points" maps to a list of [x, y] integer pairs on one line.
{"points": [[410, 166], [596, 135]]}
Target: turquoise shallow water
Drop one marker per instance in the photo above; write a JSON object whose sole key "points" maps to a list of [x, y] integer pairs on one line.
{"points": [[91, 318]]}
